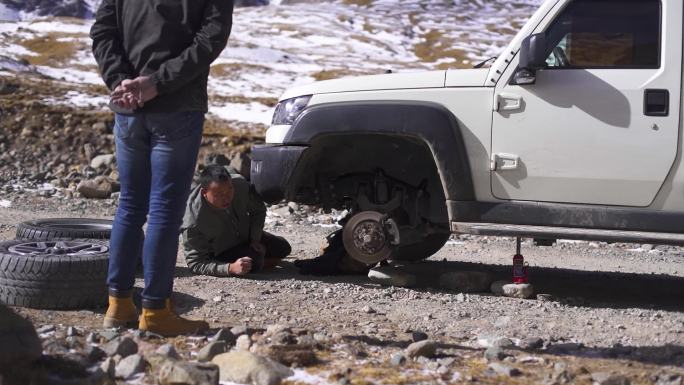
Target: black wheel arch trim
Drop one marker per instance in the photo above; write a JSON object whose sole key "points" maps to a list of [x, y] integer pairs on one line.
{"points": [[429, 122]]}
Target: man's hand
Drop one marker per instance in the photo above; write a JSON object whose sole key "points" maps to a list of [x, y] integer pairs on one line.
{"points": [[259, 248], [240, 267], [132, 94]]}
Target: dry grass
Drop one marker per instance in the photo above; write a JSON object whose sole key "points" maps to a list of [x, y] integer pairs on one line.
{"points": [[437, 46], [334, 74], [361, 3], [50, 50]]}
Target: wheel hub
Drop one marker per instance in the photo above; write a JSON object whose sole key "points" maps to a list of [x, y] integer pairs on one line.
{"points": [[68, 248], [364, 237]]}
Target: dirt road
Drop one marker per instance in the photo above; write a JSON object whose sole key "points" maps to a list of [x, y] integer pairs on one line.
{"points": [[611, 308]]}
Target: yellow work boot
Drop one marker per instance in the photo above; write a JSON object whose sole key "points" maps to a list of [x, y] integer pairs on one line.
{"points": [[167, 323], [121, 312]]}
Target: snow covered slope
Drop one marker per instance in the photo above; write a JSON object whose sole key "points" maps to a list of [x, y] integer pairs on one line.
{"points": [[277, 46]]}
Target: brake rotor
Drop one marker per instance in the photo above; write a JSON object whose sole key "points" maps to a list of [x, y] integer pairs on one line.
{"points": [[365, 239]]}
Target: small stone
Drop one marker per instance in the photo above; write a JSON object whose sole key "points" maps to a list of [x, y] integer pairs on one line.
{"points": [[398, 359], [293, 206], [669, 379], [130, 365], [417, 336], [544, 297], [248, 368], [123, 346], [72, 332], [104, 161], [45, 329], [226, 336], [239, 330], [218, 298], [187, 373], [466, 281], [499, 369], [168, 351], [283, 338], [140, 334], [99, 188], [390, 276], [109, 367], [502, 342], [531, 343], [94, 354], [603, 378], [368, 309], [426, 348], [109, 335], [460, 297], [93, 338], [243, 343], [518, 290], [494, 353], [211, 350], [272, 330]]}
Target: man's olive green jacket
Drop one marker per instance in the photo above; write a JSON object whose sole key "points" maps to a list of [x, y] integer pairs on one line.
{"points": [[208, 231]]}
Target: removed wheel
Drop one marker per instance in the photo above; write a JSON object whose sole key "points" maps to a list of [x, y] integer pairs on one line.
{"points": [[54, 274], [54, 228]]}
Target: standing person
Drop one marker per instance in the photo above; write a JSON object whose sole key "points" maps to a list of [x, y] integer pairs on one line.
{"points": [[155, 55], [223, 227]]}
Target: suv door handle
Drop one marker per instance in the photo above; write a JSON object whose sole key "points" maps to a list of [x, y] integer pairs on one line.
{"points": [[508, 102], [656, 102]]}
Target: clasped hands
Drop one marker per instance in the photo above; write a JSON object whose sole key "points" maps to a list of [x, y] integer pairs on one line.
{"points": [[131, 94], [244, 265]]}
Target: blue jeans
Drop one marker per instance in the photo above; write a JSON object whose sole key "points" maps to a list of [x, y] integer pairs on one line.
{"points": [[156, 156]]}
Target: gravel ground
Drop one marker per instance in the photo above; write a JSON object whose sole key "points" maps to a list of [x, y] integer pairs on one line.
{"points": [[611, 308]]}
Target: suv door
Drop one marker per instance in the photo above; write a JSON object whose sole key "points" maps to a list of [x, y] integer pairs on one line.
{"points": [[600, 126]]}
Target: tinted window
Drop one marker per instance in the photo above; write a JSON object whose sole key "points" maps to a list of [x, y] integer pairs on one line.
{"points": [[606, 34]]}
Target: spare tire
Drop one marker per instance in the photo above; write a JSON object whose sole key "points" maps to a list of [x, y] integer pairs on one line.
{"points": [[54, 274], [57, 228]]}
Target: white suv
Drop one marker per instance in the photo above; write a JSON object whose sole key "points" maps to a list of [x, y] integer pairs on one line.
{"points": [[574, 132]]}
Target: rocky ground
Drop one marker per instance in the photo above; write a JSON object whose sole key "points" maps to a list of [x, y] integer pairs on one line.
{"points": [[606, 314]]}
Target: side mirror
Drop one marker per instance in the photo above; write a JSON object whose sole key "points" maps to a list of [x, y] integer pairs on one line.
{"points": [[533, 52], [532, 58]]}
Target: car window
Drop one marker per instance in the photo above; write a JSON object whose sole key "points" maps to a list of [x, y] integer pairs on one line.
{"points": [[606, 34]]}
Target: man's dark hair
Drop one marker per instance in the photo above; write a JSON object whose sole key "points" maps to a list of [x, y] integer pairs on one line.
{"points": [[214, 173]]}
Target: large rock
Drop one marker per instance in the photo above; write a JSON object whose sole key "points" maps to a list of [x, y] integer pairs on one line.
{"points": [[518, 290], [186, 373], [101, 187], [130, 365], [19, 342], [466, 281], [123, 346], [211, 350], [426, 348], [247, 368], [603, 378], [391, 276]]}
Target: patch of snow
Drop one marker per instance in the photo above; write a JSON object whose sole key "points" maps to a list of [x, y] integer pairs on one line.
{"points": [[70, 75], [252, 112]]}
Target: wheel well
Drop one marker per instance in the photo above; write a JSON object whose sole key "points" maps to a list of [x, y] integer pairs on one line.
{"points": [[337, 169]]}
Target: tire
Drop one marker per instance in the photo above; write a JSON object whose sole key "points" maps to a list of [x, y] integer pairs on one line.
{"points": [[421, 250], [54, 280], [65, 228]]}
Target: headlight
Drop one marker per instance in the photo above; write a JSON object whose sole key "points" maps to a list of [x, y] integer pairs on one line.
{"points": [[288, 110]]}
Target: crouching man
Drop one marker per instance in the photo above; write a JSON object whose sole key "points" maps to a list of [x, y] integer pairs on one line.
{"points": [[223, 227]]}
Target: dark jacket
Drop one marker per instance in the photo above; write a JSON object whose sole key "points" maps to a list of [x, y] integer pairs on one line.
{"points": [[174, 41], [208, 231]]}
